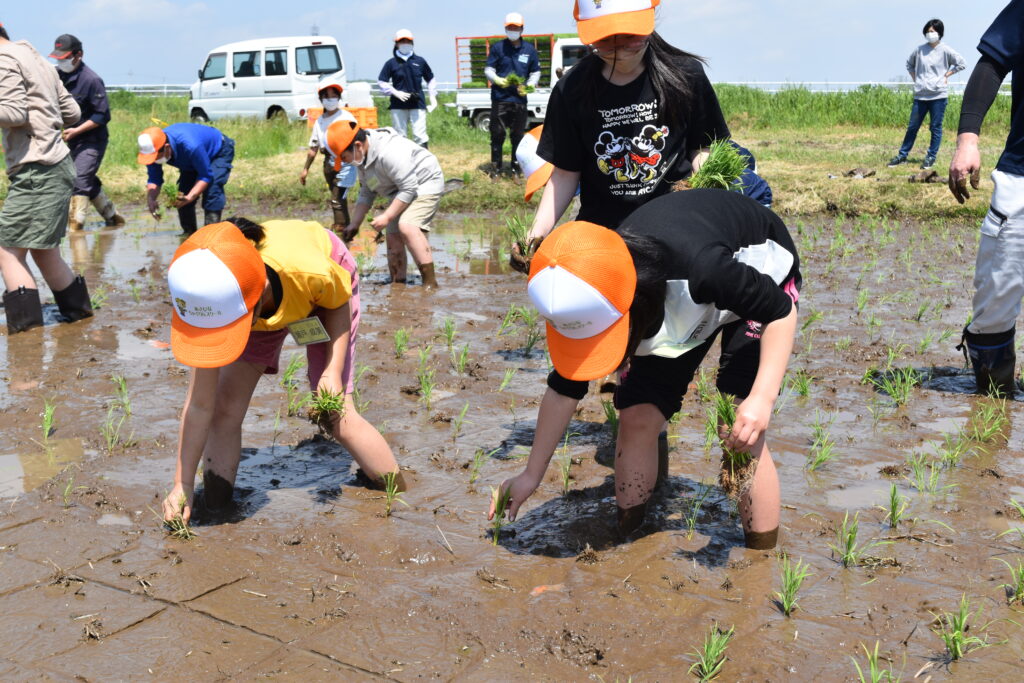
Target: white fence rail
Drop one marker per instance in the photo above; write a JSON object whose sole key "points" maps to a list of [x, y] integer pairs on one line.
{"points": [[955, 87]]}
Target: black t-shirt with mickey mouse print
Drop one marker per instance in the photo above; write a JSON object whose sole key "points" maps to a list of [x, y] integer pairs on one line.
{"points": [[626, 150]]}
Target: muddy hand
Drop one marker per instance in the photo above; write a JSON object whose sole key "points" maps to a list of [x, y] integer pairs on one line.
{"points": [[349, 233], [958, 186], [520, 487], [752, 417], [520, 261], [178, 502]]}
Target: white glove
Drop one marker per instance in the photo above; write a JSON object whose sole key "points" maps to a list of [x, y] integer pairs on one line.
{"points": [[401, 95], [433, 104], [501, 82]]}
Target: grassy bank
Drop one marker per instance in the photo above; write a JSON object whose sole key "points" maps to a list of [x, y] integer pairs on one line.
{"points": [[799, 138]]}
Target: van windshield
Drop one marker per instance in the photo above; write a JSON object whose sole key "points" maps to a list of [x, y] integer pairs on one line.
{"points": [[317, 59]]}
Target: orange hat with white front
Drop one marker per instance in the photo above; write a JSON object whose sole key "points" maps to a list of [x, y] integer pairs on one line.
{"points": [[404, 34], [582, 281], [340, 135], [151, 142], [536, 170], [216, 277], [598, 19], [329, 84], [514, 19]]}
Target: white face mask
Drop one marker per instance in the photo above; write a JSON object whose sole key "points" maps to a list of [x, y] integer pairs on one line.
{"points": [[405, 49], [161, 160], [330, 103], [513, 35], [66, 65], [932, 37]]}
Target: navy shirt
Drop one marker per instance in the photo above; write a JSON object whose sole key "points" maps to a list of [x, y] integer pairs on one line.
{"points": [[1004, 43], [91, 95], [407, 75], [193, 147], [505, 58]]}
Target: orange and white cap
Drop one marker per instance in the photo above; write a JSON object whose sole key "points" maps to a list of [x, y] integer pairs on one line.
{"points": [[598, 19], [329, 84], [514, 19], [151, 142], [403, 34], [536, 170], [216, 277], [582, 281], [340, 135]]}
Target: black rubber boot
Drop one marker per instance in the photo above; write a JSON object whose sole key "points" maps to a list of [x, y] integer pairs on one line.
{"points": [[993, 358], [73, 301], [211, 217], [24, 310], [187, 219], [662, 459]]}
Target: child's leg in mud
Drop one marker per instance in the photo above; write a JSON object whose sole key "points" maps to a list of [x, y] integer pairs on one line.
{"points": [[368, 448], [397, 261], [416, 241], [636, 463], [224, 443], [760, 507]]}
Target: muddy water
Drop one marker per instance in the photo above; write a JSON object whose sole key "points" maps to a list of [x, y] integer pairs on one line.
{"points": [[304, 577]]}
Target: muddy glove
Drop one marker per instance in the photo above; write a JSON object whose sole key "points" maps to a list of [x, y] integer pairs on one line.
{"points": [[520, 261], [349, 233], [400, 95], [959, 186], [433, 104]]}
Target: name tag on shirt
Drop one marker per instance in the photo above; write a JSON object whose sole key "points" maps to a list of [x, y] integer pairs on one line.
{"points": [[308, 331], [524, 58]]}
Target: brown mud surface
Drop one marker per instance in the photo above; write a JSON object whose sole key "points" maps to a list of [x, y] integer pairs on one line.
{"points": [[304, 577]]}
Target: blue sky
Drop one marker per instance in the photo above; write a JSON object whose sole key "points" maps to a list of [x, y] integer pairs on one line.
{"points": [[166, 41]]}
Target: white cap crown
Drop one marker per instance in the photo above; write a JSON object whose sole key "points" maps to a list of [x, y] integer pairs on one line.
{"points": [[572, 306], [146, 145], [592, 9], [513, 19], [204, 291]]}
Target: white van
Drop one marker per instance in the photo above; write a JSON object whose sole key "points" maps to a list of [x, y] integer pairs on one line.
{"points": [[266, 77]]}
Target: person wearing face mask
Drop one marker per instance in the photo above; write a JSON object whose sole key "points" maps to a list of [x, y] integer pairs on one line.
{"points": [[930, 67], [87, 138], [34, 107], [626, 123], [402, 78], [512, 56], [202, 154], [409, 176], [341, 181]]}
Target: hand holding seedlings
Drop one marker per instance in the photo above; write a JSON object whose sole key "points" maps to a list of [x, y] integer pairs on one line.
{"points": [[514, 491], [178, 504], [752, 417]]}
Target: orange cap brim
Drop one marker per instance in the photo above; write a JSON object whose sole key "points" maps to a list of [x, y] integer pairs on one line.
{"points": [[639, 23], [582, 360], [147, 159], [198, 347], [538, 179]]}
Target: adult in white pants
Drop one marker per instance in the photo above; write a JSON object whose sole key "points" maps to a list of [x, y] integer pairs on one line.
{"points": [[999, 273], [402, 78]]}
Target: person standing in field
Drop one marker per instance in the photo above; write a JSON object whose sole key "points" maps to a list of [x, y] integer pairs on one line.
{"points": [[409, 176], [203, 156], [402, 78], [988, 339], [87, 138], [34, 107], [930, 67], [508, 58], [341, 181], [238, 289], [649, 301]]}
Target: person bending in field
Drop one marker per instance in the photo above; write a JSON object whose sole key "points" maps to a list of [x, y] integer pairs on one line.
{"points": [[649, 300], [238, 289]]}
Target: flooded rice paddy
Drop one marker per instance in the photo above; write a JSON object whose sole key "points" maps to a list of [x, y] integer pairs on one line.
{"points": [[306, 577]]}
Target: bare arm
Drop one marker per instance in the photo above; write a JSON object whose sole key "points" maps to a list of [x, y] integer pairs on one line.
{"points": [[338, 323], [558, 193], [196, 418], [552, 420], [754, 413]]}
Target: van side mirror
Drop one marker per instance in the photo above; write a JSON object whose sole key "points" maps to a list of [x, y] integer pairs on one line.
{"points": [[200, 73]]}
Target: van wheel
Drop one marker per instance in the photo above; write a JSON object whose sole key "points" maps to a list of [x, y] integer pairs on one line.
{"points": [[276, 114], [199, 116], [482, 120]]}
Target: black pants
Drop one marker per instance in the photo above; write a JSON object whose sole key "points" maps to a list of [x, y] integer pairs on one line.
{"points": [[510, 115], [87, 157]]}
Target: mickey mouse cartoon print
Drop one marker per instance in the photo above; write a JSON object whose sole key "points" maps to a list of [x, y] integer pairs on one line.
{"points": [[613, 156], [629, 159], [646, 151]]}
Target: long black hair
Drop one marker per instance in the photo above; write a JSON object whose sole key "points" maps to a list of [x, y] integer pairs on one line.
{"points": [[252, 231], [647, 312], [672, 84], [3, 33]]}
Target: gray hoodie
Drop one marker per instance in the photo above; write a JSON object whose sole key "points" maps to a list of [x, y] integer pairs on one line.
{"points": [[929, 65], [397, 167]]}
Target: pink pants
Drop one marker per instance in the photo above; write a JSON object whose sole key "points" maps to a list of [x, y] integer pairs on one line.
{"points": [[264, 348]]}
